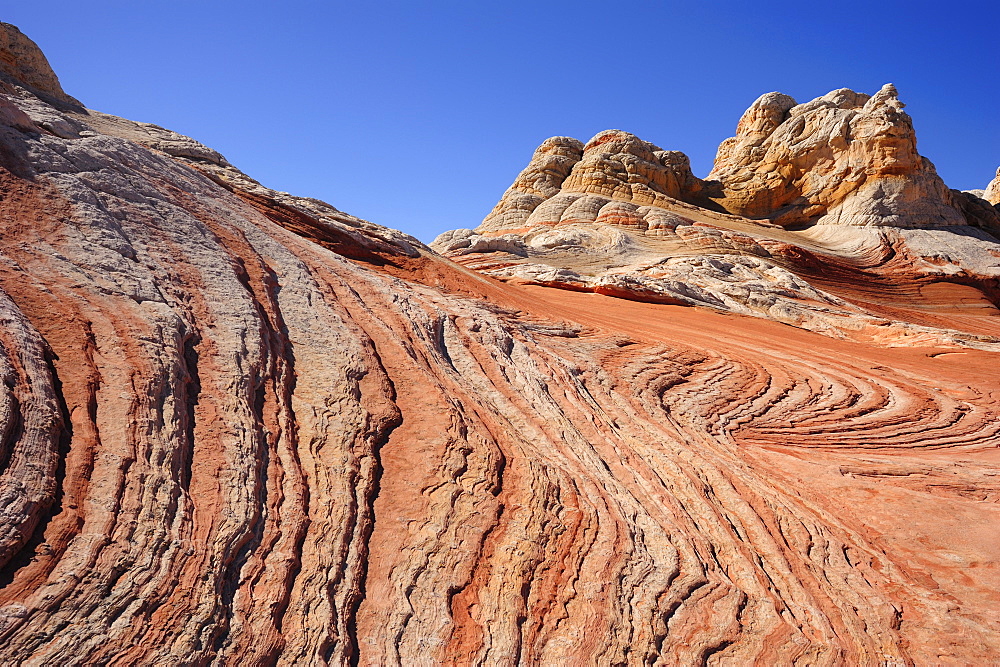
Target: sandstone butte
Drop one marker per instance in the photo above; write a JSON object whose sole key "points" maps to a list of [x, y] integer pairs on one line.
{"points": [[641, 418]]}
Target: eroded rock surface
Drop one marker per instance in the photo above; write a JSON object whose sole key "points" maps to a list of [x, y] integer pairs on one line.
{"points": [[992, 192], [243, 427], [805, 208], [23, 62], [844, 158], [616, 176]]}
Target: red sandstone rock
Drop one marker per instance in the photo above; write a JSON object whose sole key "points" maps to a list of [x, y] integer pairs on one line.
{"points": [[241, 427]]}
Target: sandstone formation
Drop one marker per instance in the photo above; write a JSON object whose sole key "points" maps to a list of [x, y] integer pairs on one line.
{"points": [[805, 205], [22, 61], [243, 427], [992, 192], [614, 176], [844, 158]]}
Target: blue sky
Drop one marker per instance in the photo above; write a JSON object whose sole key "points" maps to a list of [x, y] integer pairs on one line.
{"points": [[417, 115]]}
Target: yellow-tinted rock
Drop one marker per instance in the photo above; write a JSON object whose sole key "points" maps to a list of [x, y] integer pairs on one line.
{"points": [[843, 158], [21, 59], [992, 193], [564, 183]]}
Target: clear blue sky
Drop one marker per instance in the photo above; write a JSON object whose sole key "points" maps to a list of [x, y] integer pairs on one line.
{"points": [[417, 115]]}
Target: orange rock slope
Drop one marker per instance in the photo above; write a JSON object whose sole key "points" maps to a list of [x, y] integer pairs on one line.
{"points": [[241, 427]]}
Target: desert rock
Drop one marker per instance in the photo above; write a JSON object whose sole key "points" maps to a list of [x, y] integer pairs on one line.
{"points": [[622, 223], [24, 62], [616, 176], [992, 193], [244, 427], [844, 158]]}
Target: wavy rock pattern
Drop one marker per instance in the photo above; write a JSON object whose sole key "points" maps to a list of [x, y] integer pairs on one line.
{"points": [[875, 287], [240, 427]]}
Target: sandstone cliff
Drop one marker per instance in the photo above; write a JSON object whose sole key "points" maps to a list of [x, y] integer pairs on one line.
{"points": [[242, 427]]}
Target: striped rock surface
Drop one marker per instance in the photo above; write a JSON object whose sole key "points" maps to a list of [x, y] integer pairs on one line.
{"points": [[241, 427]]}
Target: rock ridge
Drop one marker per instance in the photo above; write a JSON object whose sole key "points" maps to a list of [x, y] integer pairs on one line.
{"points": [[23, 62], [844, 158], [239, 426], [620, 216]]}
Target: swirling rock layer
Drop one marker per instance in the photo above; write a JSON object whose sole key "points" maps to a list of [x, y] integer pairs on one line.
{"points": [[240, 427]]}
